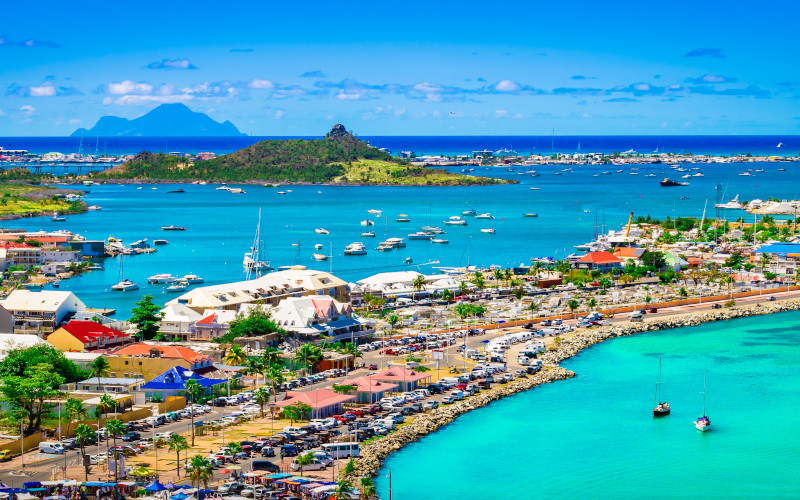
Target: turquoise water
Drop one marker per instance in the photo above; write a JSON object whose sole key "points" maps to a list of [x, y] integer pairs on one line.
{"points": [[220, 225], [594, 436]]}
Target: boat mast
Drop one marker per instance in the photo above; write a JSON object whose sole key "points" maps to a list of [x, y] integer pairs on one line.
{"points": [[658, 385]]}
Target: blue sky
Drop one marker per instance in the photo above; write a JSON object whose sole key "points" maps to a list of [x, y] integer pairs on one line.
{"points": [[410, 68]]}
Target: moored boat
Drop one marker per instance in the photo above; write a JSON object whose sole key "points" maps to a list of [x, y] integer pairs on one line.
{"points": [[321, 230], [125, 285], [355, 248], [173, 228], [661, 407], [158, 279]]}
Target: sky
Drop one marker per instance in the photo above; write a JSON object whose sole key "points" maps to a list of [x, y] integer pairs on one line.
{"points": [[407, 68]]}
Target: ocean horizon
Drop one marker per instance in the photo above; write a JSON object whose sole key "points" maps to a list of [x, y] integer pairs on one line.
{"points": [[434, 145]]}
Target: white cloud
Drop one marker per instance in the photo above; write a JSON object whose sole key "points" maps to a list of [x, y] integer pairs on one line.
{"points": [[643, 87], [437, 114], [258, 83], [139, 100], [428, 87], [74, 121], [129, 87], [27, 110], [279, 114], [349, 96], [507, 86], [500, 113], [44, 90]]}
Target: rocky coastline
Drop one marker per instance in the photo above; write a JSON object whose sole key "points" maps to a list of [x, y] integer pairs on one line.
{"points": [[373, 454]]}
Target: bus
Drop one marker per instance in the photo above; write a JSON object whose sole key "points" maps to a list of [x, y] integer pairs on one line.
{"points": [[341, 450]]}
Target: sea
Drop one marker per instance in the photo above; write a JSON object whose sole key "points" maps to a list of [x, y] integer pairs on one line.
{"points": [[572, 208], [594, 436]]}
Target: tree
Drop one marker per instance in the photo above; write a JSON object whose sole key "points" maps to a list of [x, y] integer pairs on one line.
{"points": [[271, 357], [235, 448], [604, 283], [296, 411], [253, 368], [682, 292], [177, 443], [479, 280], [368, 488], [29, 394], [463, 288], [344, 389], [573, 304], [592, 303], [275, 377], [257, 323], [498, 276], [75, 410], [350, 349], [115, 428], [194, 391], [200, 471], [654, 259], [418, 284], [106, 403], [84, 435], [100, 369], [393, 320], [235, 356], [261, 396], [447, 295], [146, 316], [17, 362], [519, 293], [309, 355], [349, 468], [303, 460], [343, 489]]}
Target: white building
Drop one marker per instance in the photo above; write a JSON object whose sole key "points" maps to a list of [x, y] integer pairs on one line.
{"points": [[308, 318], [40, 312], [179, 320], [10, 341]]}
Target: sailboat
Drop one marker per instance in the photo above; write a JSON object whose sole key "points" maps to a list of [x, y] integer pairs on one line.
{"points": [[252, 262], [124, 285], [703, 424], [661, 407]]}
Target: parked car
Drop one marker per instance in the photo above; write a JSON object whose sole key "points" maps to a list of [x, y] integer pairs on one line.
{"points": [[131, 436], [5, 455], [430, 405]]}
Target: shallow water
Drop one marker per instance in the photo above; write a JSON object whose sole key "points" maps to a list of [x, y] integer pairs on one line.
{"points": [[594, 435]]}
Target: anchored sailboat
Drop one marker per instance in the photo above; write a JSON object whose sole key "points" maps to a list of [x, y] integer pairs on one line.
{"points": [[661, 407], [703, 424], [252, 263]]}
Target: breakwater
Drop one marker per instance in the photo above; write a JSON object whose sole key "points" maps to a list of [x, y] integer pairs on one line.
{"points": [[375, 452]]}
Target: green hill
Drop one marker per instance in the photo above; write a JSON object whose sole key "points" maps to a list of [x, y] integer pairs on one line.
{"points": [[338, 158]]}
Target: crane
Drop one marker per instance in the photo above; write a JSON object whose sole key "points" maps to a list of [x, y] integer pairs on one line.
{"points": [[630, 221]]}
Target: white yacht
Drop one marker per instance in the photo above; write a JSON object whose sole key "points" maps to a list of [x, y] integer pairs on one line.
{"points": [[730, 205], [433, 229], [420, 235], [321, 230], [440, 241], [384, 246], [368, 234], [487, 215], [356, 248], [125, 285], [367, 222], [178, 286], [319, 256], [158, 279], [488, 230], [193, 279], [469, 213], [396, 242], [318, 246]]}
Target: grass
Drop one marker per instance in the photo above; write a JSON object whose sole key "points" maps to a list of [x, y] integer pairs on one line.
{"points": [[25, 199], [384, 172]]}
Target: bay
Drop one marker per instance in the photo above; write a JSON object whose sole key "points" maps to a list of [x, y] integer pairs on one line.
{"points": [[594, 435]]}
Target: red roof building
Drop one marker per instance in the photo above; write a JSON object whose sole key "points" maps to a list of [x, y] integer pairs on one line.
{"points": [[323, 402], [80, 336], [408, 380], [369, 389], [601, 261]]}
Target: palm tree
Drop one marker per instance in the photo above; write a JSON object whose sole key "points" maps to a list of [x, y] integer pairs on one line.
{"points": [[235, 356], [194, 391], [177, 443], [75, 410], [498, 276], [592, 303], [343, 489], [350, 349], [308, 354], [84, 435], [235, 448], [261, 396], [368, 488], [254, 368], [463, 288], [275, 377], [115, 428], [271, 357], [200, 472], [447, 295], [303, 460], [479, 280], [100, 369], [393, 320], [418, 284], [573, 304], [106, 403]]}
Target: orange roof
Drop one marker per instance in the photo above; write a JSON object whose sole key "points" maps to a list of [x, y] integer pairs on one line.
{"points": [[370, 384], [600, 258], [166, 351], [628, 252], [320, 398]]}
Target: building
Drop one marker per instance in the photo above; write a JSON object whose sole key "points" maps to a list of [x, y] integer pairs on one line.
{"points": [[40, 312], [630, 254], [406, 379], [21, 255], [309, 318], [268, 289], [80, 336], [212, 325], [778, 258], [147, 361], [173, 382], [369, 389], [323, 402], [106, 384], [178, 321], [10, 341], [598, 261]]}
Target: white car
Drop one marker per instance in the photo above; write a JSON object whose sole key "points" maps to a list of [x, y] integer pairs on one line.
{"points": [[316, 464], [411, 396]]}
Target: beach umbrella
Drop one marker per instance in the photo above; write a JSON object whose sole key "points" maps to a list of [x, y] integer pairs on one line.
{"points": [[155, 486], [170, 486], [224, 471]]}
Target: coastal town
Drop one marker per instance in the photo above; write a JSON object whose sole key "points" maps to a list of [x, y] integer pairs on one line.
{"points": [[297, 383]]}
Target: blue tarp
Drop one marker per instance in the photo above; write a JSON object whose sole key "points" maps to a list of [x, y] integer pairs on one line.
{"points": [[32, 484], [93, 484], [155, 486], [175, 379], [278, 476]]}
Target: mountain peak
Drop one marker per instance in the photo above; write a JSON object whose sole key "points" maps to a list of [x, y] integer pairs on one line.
{"points": [[165, 120]]}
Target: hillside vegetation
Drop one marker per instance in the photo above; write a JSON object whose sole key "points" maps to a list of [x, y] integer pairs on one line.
{"points": [[339, 157]]}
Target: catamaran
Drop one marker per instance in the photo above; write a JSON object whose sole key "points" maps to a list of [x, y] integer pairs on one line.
{"points": [[661, 407], [252, 262]]}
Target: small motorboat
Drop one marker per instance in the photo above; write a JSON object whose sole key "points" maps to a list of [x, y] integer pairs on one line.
{"points": [[488, 230], [321, 230], [470, 213], [530, 214], [57, 218], [487, 215], [368, 234], [440, 241], [319, 256], [318, 246], [176, 191], [173, 228], [192, 279], [179, 286], [95, 207], [160, 242]]}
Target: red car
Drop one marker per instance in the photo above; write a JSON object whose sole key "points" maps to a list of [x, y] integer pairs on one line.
{"points": [[357, 412], [372, 409], [373, 366]]}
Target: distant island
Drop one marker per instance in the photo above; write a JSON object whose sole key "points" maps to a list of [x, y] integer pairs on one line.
{"points": [[338, 158], [167, 120]]}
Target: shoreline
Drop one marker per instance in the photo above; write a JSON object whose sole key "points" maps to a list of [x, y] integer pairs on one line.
{"points": [[278, 184], [373, 454]]}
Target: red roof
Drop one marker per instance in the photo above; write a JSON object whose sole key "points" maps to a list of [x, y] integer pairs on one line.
{"points": [[208, 320], [321, 398], [165, 351], [400, 374], [600, 258], [370, 384], [88, 332]]}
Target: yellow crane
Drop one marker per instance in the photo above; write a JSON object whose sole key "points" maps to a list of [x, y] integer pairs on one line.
{"points": [[630, 221]]}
